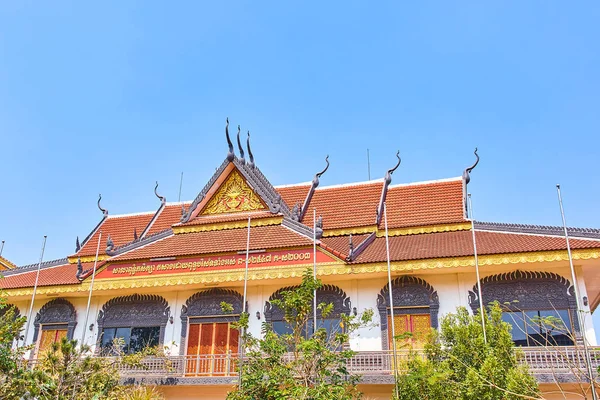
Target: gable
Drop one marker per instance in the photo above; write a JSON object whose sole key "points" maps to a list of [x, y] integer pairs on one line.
{"points": [[234, 195]]}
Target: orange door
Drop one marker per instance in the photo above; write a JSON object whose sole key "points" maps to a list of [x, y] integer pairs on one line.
{"points": [[50, 336], [411, 330], [209, 348]]}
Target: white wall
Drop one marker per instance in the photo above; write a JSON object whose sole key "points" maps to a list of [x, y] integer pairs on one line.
{"points": [[452, 289]]}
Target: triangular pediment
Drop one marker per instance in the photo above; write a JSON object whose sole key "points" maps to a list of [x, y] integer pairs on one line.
{"points": [[233, 196], [236, 186]]}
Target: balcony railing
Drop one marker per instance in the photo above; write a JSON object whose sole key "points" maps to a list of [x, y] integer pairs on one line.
{"points": [[559, 360]]}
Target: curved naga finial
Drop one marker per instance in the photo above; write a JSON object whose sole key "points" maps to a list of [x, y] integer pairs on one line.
{"points": [[467, 171], [311, 191], [230, 154], [242, 160], [386, 182], [104, 211], [161, 198], [315, 181], [388, 175], [250, 155]]}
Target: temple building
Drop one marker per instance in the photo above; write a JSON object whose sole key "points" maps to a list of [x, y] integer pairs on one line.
{"points": [[162, 275]]}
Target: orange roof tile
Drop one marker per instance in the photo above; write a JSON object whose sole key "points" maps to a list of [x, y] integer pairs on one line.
{"points": [[263, 237], [57, 275], [169, 216], [460, 243], [438, 202], [294, 194], [341, 244], [120, 228], [346, 206]]}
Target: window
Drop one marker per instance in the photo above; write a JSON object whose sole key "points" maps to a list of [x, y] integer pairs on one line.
{"points": [[136, 339], [540, 327]]}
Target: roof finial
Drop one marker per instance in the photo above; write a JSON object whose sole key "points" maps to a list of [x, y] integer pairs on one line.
{"points": [[230, 154], [242, 160], [466, 173], [388, 175], [135, 235], [110, 245], [351, 245], [315, 181], [79, 269], [386, 182], [161, 198], [104, 211], [250, 155], [77, 245]]}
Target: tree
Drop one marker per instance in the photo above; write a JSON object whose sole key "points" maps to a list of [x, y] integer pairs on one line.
{"points": [[13, 373], [301, 364], [458, 363]]}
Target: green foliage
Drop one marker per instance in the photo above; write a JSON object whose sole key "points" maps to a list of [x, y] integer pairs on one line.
{"points": [[65, 371], [301, 364], [13, 373], [458, 362]]}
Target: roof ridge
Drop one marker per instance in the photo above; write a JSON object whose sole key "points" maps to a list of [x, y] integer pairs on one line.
{"points": [[429, 182], [141, 241], [351, 184], [33, 267], [591, 233]]}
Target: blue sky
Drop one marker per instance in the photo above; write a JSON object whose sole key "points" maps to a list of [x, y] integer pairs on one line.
{"points": [[108, 98]]}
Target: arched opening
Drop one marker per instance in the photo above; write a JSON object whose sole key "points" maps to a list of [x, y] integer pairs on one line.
{"points": [[55, 320], [416, 306], [139, 321], [327, 294], [208, 338], [539, 306]]}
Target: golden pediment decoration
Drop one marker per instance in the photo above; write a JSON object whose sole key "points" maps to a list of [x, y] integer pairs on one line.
{"points": [[234, 195]]}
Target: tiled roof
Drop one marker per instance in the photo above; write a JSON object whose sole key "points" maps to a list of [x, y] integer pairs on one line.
{"points": [[355, 205], [169, 216], [437, 202], [55, 275], [293, 194], [263, 237], [238, 216], [120, 228], [341, 244], [345, 206], [460, 243]]}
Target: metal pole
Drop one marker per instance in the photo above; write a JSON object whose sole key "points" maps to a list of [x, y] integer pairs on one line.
{"points": [[87, 310], [180, 185], [481, 309], [580, 311], [244, 304], [314, 269], [369, 164], [389, 268], [1, 248], [37, 277]]}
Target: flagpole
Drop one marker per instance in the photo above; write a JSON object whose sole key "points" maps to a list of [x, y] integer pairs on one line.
{"points": [[580, 311], [87, 311], [37, 277], [389, 269], [479, 294], [1, 248], [314, 269], [244, 304]]}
